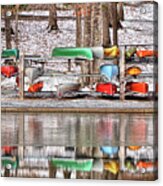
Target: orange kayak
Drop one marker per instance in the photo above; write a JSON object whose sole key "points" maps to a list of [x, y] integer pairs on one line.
{"points": [[139, 87], [9, 70], [133, 71], [146, 53], [37, 87], [143, 164]]}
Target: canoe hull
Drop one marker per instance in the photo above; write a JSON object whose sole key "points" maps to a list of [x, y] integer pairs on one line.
{"points": [[106, 88], [138, 87], [9, 70], [109, 71]]}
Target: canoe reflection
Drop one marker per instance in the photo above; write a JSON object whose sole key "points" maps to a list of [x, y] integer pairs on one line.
{"points": [[62, 162], [78, 145]]}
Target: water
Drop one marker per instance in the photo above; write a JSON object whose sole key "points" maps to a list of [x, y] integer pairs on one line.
{"points": [[34, 141], [78, 129]]}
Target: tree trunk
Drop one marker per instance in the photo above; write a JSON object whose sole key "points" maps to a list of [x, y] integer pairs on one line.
{"points": [[16, 26], [87, 26], [115, 23], [78, 28], [7, 30], [96, 33], [52, 18], [106, 21]]}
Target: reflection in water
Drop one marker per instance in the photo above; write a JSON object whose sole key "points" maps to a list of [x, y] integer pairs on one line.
{"points": [[73, 145], [76, 129]]}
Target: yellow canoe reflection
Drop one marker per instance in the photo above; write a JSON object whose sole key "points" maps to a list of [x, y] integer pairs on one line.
{"points": [[112, 166]]}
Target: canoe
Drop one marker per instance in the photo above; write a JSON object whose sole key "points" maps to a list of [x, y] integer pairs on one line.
{"points": [[10, 53], [130, 52], [112, 166], [9, 70], [81, 53], [147, 53], [65, 88], [33, 73], [109, 71], [106, 88], [111, 52], [109, 150], [138, 87], [37, 87], [9, 161], [73, 164], [8, 149], [98, 52], [134, 148], [133, 71], [146, 166]]}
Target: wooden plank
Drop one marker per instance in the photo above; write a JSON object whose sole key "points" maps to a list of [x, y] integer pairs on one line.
{"points": [[21, 77], [122, 73], [80, 110]]}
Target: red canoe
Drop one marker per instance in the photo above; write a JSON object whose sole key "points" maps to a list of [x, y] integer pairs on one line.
{"points": [[9, 70], [106, 88], [37, 87], [139, 87]]}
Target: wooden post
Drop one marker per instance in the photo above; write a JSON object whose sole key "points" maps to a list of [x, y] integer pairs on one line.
{"points": [[21, 135], [122, 73], [21, 77], [69, 65]]}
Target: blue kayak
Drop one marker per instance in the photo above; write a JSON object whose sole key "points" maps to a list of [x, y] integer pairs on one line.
{"points": [[109, 71]]}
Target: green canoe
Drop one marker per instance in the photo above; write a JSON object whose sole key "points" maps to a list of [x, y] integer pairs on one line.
{"points": [[81, 53], [10, 53], [78, 165], [9, 160]]}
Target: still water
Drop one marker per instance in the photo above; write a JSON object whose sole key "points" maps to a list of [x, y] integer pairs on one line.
{"points": [[79, 145], [78, 129]]}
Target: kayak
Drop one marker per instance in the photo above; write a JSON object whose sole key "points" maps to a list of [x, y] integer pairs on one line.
{"points": [[146, 53], [9, 70], [146, 164], [109, 150], [73, 164], [37, 87], [107, 88], [98, 52], [10, 53], [134, 148], [82, 53], [130, 52], [133, 71], [112, 166], [9, 160], [69, 87], [138, 87], [8, 149], [111, 52], [109, 71], [33, 73]]}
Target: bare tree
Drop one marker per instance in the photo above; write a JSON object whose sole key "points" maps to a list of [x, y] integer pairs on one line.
{"points": [[52, 18], [7, 28], [106, 21], [78, 27]]}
